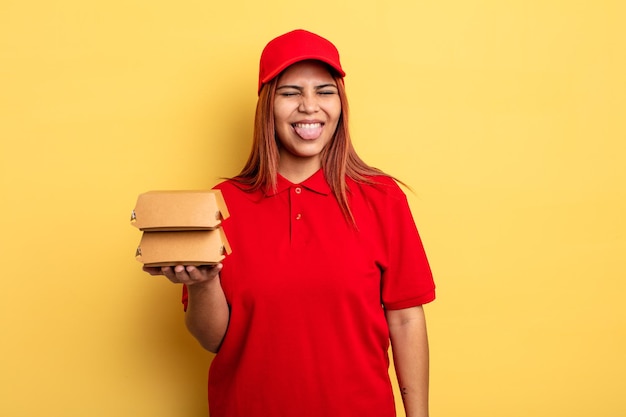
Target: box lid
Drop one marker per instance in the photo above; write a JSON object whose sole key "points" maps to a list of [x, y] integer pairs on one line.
{"points": [[197, 247], [179, 210]]}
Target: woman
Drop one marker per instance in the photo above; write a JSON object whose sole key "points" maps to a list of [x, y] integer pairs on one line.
{"points": [[326, 267]]}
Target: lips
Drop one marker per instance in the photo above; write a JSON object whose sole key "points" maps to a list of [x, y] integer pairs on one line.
{"points": [[308, 130]]}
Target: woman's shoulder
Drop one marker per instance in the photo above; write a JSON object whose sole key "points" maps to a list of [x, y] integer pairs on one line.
{"points": [[224, 184], [379, 186], [232, 184], [233, 189]]}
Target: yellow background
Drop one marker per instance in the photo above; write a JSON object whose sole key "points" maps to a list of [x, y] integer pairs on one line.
{"points": [[507, 118]]}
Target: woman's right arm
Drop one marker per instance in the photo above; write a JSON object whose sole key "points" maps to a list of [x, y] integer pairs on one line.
{"points": [[207, 312]]}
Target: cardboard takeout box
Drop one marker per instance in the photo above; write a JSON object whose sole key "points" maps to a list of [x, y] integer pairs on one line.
{"points": [[179, 210], [198, 247]]}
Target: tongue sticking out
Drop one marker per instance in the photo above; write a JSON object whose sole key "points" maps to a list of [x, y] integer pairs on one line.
{"points": [[309, 131]]}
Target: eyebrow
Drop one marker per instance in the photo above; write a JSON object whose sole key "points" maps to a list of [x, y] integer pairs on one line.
{"points": [[299, 88]]}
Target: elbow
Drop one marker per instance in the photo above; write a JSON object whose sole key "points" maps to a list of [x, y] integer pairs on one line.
{"points": [[208, 327], [208, 341], [211, 347]]}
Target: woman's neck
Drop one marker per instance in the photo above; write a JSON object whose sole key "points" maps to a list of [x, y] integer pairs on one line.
{"points": [[297, 170]]}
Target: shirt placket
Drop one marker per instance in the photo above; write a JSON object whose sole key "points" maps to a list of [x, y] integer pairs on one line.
{"points": [[296, 215]]}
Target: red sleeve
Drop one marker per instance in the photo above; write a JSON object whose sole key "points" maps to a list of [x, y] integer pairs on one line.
{"points": [[185, 298], [407, 279]]}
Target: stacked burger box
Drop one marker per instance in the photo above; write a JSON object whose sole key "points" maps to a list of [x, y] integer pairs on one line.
{"points": [[181, 228]]}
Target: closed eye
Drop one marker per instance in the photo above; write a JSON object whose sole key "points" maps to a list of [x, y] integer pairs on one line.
{"points": [[288, 90]]}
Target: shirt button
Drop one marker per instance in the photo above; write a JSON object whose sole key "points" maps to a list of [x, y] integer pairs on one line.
{"points": [[298, 190], [298, 216]]}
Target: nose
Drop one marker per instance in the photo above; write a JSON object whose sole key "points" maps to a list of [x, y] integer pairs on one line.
{"points": [[308, 103]]}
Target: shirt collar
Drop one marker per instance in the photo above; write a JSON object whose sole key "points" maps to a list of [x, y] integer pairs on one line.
{"points": [[316, 183]]}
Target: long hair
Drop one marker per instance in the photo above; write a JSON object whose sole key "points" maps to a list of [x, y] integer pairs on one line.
{"points": [[339, 158]]}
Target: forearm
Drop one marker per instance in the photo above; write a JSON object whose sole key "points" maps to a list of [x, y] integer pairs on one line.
{"points": [[409, 343], [207, 313]]}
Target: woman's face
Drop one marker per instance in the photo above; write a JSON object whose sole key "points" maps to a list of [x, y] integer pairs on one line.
{"points": [[307, 108]]}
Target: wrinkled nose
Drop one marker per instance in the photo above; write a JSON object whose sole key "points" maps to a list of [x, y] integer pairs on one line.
{"points": [[308, 103]]}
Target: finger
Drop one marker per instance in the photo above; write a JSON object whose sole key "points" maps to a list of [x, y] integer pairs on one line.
{"points": [[168, 271], [213, 268], [203, 272], [152, 270], [180, 273], [195, 274]]}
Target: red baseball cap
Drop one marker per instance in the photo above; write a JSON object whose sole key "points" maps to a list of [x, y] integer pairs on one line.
{"points": [[295, 46]]}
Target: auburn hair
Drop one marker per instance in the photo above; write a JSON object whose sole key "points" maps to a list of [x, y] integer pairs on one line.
{"points": [[339, 158]]}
